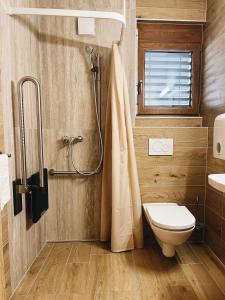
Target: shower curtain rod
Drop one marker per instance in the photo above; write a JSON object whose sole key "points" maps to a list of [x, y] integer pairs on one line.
{"points": [[13, 11]]}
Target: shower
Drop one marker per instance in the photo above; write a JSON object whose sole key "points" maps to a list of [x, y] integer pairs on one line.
{"points": [[94, 62]]}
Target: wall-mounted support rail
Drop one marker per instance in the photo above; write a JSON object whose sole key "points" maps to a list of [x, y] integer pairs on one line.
{"points": [[24, 187], [53, 172]]}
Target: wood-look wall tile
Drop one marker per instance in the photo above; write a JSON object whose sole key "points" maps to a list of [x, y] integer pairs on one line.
{"points": [[214, 201], [182, 10], [2, 148], [185, 156], [5, 233], [177, 176], [180, 194], [168, 122], [215, 242], [212, 105], [213, 221], [223, 230], [183, 137], [21, 47], [56, 56]]}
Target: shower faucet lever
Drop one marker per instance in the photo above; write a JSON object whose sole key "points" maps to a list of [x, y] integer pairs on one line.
{"points": [[72, 140], [78, 139]]}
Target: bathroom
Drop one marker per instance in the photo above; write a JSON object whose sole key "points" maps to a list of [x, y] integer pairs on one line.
{"points": [[131, 201]]}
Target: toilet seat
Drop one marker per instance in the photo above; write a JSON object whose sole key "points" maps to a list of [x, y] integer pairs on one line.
{"points": [[169, 216]]}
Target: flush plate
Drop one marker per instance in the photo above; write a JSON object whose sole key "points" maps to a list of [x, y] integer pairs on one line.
{"points": [[161, 147]]}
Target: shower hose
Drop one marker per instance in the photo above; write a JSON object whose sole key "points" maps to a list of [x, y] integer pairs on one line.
{"points": [[70, 149]]}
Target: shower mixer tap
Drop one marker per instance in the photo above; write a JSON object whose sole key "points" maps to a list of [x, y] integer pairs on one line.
{"points": [[71, 140]]}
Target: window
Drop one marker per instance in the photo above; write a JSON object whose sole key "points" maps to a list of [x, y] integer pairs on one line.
{"points": [[169, 68]]}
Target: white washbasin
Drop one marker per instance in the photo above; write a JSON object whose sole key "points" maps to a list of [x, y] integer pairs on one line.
{"points": [[217, 181]]}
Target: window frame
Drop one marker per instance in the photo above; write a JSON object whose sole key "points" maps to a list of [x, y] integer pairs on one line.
{"points": [[157, 44]]}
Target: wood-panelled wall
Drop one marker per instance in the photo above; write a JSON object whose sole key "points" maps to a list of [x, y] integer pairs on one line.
{"points": [[49, 49], [5, 276], [172, 10], [19, 56], [178, 178], [2, 267], [213, 104], [74, 212]]}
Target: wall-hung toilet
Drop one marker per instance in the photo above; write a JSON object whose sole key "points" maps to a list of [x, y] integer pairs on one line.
{"points": [[172, 224]]}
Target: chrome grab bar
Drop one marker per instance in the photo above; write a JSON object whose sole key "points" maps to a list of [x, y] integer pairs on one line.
{"points": [[24, 187], [53, 172]]}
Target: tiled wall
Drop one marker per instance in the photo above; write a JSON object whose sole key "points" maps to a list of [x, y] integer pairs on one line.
{"points": [[5, 250], [179, 178], [5, 277], [213, 104], [19, 56], [179, 10], [49, 49], [68, 106]]}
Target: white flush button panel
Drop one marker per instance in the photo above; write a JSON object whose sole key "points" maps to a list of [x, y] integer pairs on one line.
{"points": [[86, 26], [160, 147], [219, 137]]}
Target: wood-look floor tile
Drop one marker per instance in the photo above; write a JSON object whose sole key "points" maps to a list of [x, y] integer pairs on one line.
{"points": [[204, 286], [76, 296], [46, 250], [75, 279], [124, 275], [80, 253], [186, 255], [129, 296], [105, 296], [60, 253], [149, 271], [19, 297], [99, 248], [29, 279], [143, 274], [183, 291], [42, 297], [100, 277], [172, 277], [48, 280], [215, 269]]}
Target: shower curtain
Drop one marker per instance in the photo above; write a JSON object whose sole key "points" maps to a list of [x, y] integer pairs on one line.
{"points": [[121, 216]]}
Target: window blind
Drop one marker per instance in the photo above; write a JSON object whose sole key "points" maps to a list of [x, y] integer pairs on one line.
{"points": [[168, 78]]}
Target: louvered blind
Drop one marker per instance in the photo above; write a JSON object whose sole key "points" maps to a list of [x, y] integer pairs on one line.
{"points": [[168, 78]]}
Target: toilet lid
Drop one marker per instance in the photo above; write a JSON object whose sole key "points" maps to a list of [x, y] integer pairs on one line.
{"points": [[171, 217]]}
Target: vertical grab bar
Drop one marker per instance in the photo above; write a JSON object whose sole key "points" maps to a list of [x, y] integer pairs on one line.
{"points": [[21, 82]]}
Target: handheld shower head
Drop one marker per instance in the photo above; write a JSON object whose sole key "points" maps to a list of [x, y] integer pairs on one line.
{"points": [[89, 50]]}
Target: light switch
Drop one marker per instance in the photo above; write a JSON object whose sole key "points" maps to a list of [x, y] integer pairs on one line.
{"points": [[160, 147]]}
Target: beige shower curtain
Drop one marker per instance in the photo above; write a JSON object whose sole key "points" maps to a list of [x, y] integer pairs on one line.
{"points": [[121, 217]]}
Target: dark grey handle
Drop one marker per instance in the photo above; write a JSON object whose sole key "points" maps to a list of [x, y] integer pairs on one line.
{"points": [[140, 87]]}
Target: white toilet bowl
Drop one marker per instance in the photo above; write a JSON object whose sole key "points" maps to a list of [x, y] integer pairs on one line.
{"points": [[172, 224]]}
